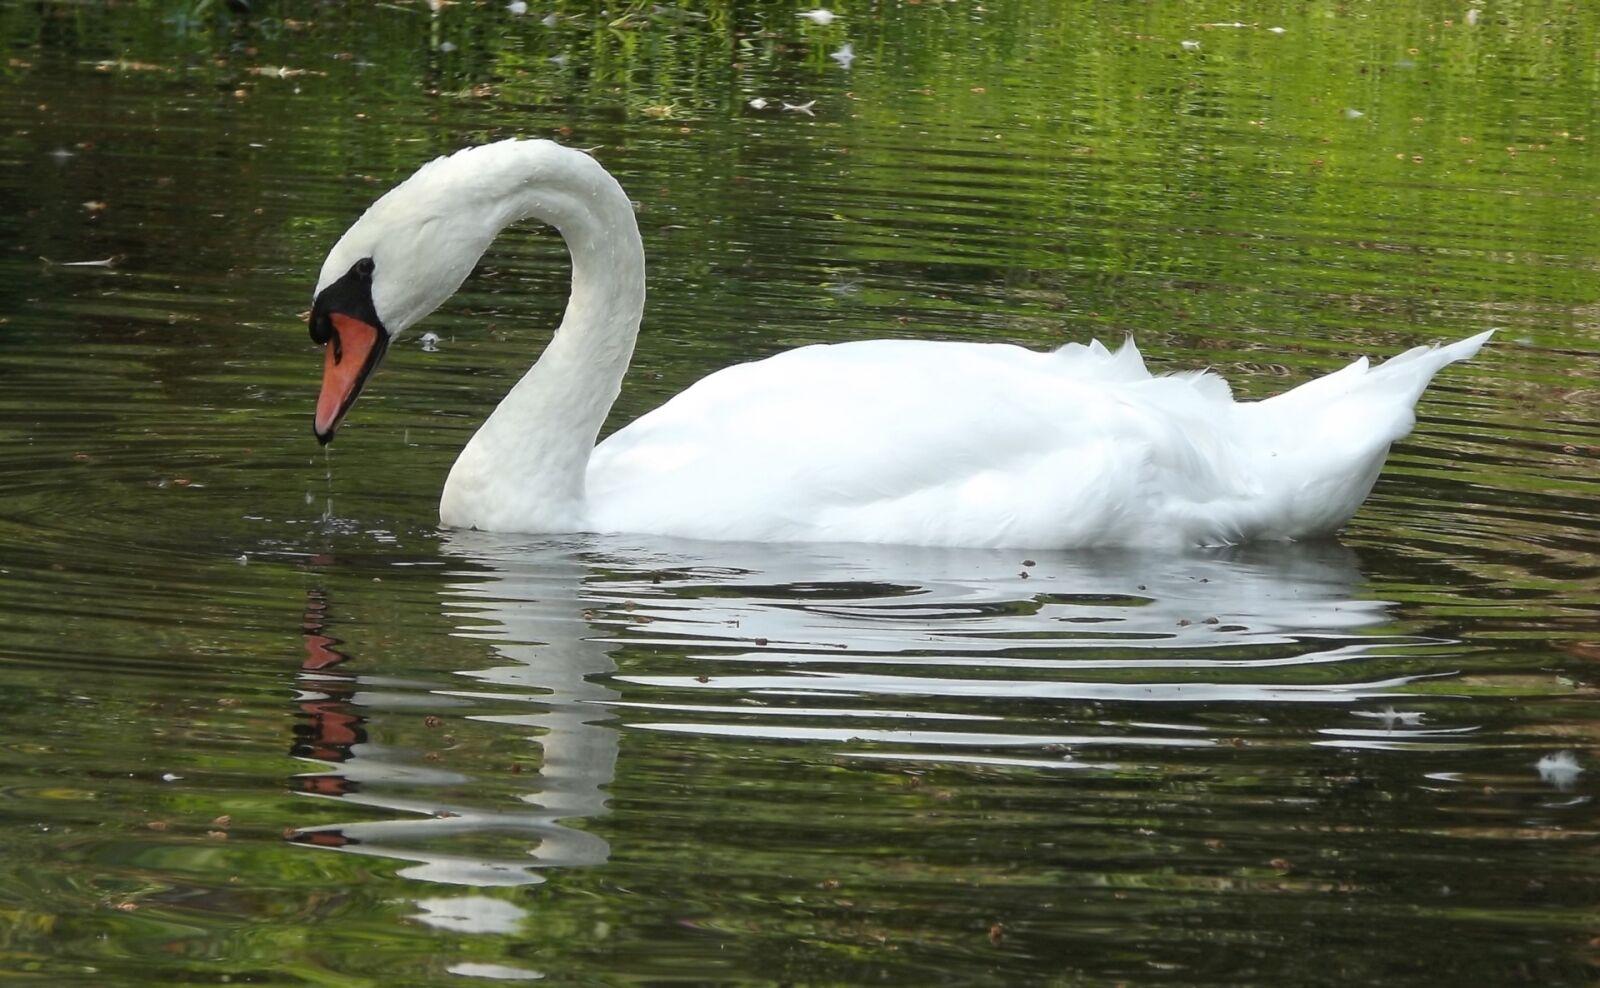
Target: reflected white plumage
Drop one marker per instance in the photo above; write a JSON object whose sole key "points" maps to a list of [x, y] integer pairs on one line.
{"points": [[927, 443]]}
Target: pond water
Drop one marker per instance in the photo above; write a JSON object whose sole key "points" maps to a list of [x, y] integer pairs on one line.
{"points": [[264, 722]]}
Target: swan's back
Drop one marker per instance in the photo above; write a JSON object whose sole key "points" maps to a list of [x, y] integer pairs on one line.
{"points": [[921, 443]]}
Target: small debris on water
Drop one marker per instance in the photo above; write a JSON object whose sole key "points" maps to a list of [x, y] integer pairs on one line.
{"points": [[800, 107], [1560, 769], [430, 342], [821, 15], [845, 55], [1190, 45]]}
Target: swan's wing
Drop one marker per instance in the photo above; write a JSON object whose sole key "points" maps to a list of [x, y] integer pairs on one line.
{"points": [[920, 442]]}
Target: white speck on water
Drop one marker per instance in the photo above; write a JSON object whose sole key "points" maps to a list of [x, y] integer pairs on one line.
{"points": [[1393, 718], [550, 20], [447, 46], [1351, 113], [821, 15], [757, 104], [244, 559], [1560, 769], [1472, 16], [1275, 30], [800, 107], [430, 342], [61, 156], [170, 777], [845, 55], [1190, 45], [558, 60], [517, 8]]}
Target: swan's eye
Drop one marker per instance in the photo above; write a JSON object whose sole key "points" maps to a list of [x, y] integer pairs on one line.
{"points": [[364, 267]]}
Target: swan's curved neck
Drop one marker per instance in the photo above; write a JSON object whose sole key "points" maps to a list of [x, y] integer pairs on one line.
{"points": [[524, 468]]}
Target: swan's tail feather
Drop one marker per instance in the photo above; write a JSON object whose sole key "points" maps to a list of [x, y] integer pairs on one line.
{"points": [[1320, 446], [1417, 366], [1402, 377]]}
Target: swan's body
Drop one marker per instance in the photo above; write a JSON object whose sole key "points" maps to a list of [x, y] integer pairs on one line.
{"points": [[882, 441]]}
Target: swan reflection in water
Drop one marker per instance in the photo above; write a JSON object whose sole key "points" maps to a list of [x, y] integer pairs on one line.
{"points": [[530, 609], [835, 644]]}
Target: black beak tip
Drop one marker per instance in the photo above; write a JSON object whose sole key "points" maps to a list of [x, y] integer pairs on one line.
{"points": [[323, 438]]}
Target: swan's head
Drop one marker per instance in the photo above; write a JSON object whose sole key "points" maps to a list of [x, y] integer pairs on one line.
{"points": [[415, 246], [406, 254], [389, 270]]}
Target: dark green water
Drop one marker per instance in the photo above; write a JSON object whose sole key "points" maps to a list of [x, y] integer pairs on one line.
{"points": [[262, 722]]}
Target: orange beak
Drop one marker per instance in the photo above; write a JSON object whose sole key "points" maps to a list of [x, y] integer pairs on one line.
{"points": [[351, 353]]}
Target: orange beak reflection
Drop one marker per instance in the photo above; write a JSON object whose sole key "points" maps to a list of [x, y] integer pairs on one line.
{"points": [[351, 353]]}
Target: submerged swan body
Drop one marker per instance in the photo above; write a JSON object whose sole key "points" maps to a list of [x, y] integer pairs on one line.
{"points": [[927, 443]]}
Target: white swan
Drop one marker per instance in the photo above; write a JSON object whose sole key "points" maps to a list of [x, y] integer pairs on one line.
{"points": [[928, 443]]}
